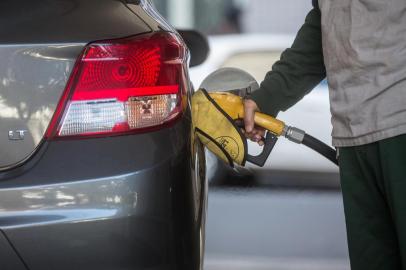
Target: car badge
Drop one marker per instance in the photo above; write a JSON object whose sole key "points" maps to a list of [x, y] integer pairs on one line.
{"points": [[17, 135]]}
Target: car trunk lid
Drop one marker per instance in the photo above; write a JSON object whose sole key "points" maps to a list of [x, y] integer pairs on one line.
{"points": [[40, 42], [32, 79]]}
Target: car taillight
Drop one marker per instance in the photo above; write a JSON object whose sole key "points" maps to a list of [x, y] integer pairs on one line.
{"points": [[123, 86]]}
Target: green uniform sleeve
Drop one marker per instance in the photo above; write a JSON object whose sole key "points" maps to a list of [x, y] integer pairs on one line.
{"points": [[299, 70]]}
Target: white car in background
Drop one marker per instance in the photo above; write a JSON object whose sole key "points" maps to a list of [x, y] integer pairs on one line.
{"points": [[256, 54]]}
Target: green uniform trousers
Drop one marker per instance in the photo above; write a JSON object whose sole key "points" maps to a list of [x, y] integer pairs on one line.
{"points": [[373, 180]]}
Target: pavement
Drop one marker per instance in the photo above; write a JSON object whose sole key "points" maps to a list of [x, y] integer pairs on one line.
{"points": [[259, 263], [275, 229]]}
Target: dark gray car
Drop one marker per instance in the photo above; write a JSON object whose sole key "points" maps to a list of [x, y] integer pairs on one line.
{"points": [[97, 170]]}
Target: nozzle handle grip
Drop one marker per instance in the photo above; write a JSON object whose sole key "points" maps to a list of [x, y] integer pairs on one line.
{"points": [[269, 123], [269, 143], [275, 128]]}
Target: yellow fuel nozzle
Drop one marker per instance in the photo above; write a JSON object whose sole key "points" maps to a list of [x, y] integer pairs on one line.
{"points": [[213, 123], [234, 107]]}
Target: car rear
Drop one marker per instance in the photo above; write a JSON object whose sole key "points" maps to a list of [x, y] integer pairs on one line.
{"points": [[96, 170]]}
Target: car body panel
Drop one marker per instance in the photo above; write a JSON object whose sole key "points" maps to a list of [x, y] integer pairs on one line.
{"points": [[67, 21], [12, 261], [135, 201], [32, 78], [143, 212], [39, 44]]}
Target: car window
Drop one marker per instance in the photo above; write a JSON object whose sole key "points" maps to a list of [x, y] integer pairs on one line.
{"points": [[255, 63]]}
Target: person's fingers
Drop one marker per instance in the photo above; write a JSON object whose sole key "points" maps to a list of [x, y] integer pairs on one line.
{"points": [[253, 133], [250, 107], [257, 132], [261, 132], [258, 137]]}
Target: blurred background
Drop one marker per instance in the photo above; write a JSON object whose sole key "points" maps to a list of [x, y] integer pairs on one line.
{"points": [[235, 16], [289, 214]]}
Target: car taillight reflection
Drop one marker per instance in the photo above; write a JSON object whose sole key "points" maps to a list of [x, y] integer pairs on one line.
{"points": [[123, 86]]}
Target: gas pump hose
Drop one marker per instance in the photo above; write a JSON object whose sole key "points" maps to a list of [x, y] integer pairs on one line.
{"points": [[320, 148], [299, 136]]}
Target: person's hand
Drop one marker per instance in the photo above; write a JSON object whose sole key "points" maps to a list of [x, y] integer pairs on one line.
{"points": [[252, 132]]}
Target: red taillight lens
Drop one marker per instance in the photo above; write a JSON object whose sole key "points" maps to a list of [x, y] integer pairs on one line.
{"points": [[123, 86]]}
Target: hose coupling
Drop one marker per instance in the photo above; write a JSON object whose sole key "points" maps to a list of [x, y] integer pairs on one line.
{"points": [[294, 134]]}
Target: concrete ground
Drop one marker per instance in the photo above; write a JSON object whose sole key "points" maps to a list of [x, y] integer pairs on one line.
{"points": [[275, 229]]}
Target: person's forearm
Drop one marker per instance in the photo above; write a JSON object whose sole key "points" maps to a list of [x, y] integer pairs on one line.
{"points": [[298, 71]]}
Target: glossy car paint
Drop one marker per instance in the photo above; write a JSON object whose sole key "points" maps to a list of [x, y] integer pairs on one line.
{"points": [[126, 202], [32, 79], [39, 44], [68, 21], [107, 206], [9, 258]]}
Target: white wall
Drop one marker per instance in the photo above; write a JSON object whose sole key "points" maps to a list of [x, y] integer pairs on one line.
{"points": [[181, 13], [259, 16], [275, 16]]}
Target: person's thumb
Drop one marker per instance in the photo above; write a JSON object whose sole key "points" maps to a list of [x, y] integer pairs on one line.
{"points": [[249, 113]]}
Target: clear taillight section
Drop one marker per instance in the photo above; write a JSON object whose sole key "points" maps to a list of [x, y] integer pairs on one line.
{"points": [[123, 86]]}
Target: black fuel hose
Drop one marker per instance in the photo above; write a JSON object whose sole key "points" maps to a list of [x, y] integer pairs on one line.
{"points": [[321, 148]]}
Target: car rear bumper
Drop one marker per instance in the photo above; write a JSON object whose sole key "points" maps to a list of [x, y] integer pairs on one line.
{"points": [[114, 203]]}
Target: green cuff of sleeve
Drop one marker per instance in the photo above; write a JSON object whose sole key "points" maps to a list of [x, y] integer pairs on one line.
{"points": [[268, 102]]}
